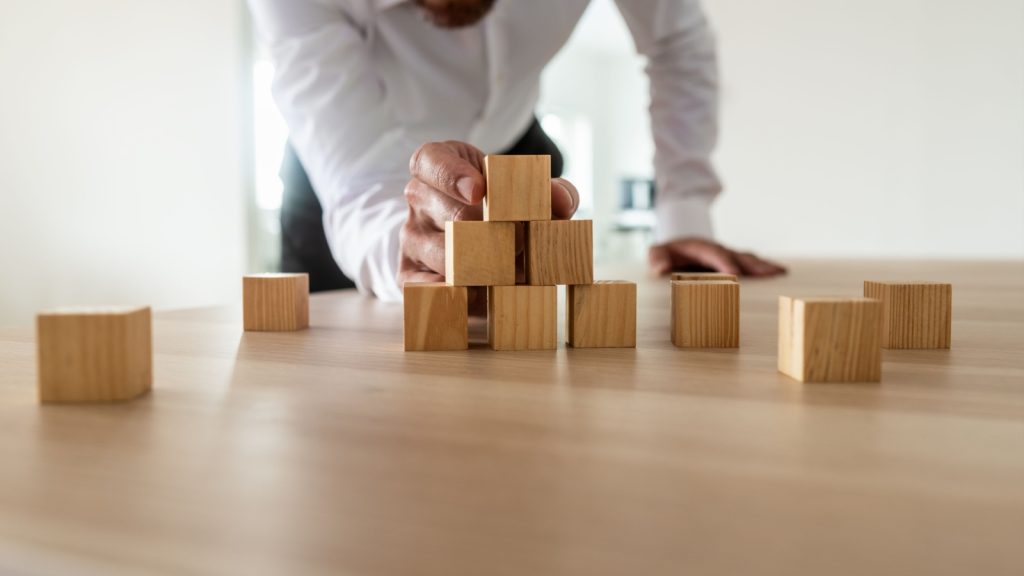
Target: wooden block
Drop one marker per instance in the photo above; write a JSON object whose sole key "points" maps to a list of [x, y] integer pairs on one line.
{"points": [[522, 317], [518, 188], [681, 276], [601, 315], [914, 314], [94, 354], [275, 302], [480, 253], [436, 316], [705, 314], [560, 252], [830, 339]]}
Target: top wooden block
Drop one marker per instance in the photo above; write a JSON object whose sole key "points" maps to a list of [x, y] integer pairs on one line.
{"points": [[914, 314], [518, 188], [698, 276], [275, 302]]}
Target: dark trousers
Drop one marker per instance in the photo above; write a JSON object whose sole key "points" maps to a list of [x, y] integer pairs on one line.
{"points": [[304, 245]]}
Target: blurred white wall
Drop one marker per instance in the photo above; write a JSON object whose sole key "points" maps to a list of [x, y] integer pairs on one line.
{"points": [[122, 171], [879, 128]]}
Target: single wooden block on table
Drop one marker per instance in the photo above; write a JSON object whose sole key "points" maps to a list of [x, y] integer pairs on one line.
{"points": [[436, 316], [480, 253], [522, 317], [94, 354], [518, 188], [560, 252], [601, 315], [275, 302], [705, 314], [681, 276], [914, 314], [830, 339]]}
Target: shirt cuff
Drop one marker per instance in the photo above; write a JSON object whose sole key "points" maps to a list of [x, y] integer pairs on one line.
{"points": [[682, 217]]}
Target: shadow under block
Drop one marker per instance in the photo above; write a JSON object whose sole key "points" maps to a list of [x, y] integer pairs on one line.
{"points": [[830, 339], [480, 253], [436, 316], [275, 302], [705, 314], [914, 314], [522, 317], [560, 252], [518, 188], [94, 354], [692, 276], [601, 315]]}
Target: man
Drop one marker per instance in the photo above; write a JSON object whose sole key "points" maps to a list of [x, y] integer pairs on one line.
{"points": [[392, 104]]}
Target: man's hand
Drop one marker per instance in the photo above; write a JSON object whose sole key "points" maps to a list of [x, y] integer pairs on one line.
{"points": [[448, 184], [703, 254]]}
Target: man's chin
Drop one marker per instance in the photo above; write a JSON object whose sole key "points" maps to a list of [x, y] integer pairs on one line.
{"points": [[456, 14]]}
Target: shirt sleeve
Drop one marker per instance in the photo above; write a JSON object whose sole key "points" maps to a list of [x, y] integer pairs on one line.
{"points": [[340, 124], [682, 67]]}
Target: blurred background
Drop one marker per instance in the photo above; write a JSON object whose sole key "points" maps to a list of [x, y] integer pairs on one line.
{"points": [[139, 145]]}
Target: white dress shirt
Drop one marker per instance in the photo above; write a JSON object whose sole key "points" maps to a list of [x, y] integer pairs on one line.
{"points": [[362, 83]]}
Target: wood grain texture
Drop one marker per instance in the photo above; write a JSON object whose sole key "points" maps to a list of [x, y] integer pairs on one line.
{"points": [[518, 188], [560, 252], [332, 451], [480, 253], [522, 317], [680, 276], [275, 302], [830, 339], [705, 314], [94, 354], [436, 316], [601, 315], [915, 315]]}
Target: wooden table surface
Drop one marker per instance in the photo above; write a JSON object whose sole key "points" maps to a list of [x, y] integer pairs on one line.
{"points": [[332, 451]]}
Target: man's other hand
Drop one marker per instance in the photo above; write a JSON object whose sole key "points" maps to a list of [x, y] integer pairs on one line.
{"points": [[447, 183], [703, 254]]}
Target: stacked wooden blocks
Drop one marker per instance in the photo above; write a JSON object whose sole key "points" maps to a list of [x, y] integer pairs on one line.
{"points": [[705, 310], [555, 252], [94, 354]]}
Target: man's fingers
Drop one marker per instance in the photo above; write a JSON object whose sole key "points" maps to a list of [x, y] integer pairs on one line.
{"points": [[565, 199], [706, 254], [433, 209], [660, 260], [425, 250], [754, 266], [454, 168], [422, 276]]}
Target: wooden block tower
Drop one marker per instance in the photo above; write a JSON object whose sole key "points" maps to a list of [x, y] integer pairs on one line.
{"points": [[555, 252], [830, 339], [94, 354], [914, 314]]}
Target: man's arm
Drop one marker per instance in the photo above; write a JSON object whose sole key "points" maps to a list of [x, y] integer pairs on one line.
{"points": [[682, 67], [343, 130]]}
